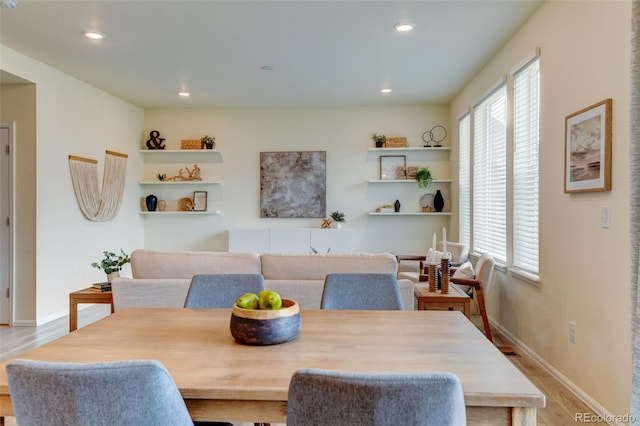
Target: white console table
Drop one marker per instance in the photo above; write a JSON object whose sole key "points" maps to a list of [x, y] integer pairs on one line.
{"points": [[290, 240]]}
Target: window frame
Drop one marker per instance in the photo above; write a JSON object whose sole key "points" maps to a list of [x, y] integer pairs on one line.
{"points": [[526, 216], [514, 212]]}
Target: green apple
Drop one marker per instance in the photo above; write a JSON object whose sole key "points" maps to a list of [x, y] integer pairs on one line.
{"points": [[269, 299], [248, 301]]}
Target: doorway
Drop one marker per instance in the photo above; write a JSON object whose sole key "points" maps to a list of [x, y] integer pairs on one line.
{"points": [[6, 222]]}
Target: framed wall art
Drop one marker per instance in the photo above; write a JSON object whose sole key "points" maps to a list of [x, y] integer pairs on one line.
{"points": [[393, 167], [293, 184], [587, 161], [199, 201]]}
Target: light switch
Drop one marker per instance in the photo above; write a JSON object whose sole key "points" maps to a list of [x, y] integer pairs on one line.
{"points": [[604, 217]]}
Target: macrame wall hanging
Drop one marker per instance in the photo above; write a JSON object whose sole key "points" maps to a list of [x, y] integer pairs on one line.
{"points": [[96, 205]]}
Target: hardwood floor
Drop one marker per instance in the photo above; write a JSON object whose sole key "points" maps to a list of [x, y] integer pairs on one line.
{"points": [[562, 404]]}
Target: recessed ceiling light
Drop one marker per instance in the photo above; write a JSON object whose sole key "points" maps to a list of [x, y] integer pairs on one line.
{"points": [[93, 35], [184, 94], [403, 27], [385, 90]]}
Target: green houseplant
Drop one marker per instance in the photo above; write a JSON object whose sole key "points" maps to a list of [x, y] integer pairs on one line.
{"points": [[338, 219], [423, 177], [208, 141], [379, 139], [112, 263]]}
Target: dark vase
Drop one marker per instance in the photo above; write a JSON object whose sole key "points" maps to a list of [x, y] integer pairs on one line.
{"points": [[152, 202], [438, 201], [397, 206], [379, 144]]}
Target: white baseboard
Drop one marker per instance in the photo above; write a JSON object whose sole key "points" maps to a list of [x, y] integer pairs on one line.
{"points": [[24, 323], [598, 409], [53, 317]]}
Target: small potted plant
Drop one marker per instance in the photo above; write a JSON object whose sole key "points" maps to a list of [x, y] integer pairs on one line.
{"points": [[338, 219], [423, 177], [112, 264], [379, 139], [208, 141]]}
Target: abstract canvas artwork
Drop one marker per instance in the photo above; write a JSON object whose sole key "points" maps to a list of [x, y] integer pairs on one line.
{"points": [[293, 184]]}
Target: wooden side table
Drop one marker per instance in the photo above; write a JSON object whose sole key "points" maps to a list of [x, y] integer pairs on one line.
{"points": [[86, 295], [456, 300]]}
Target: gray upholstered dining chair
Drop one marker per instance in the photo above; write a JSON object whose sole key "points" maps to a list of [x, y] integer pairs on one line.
{"points": [[322, 397], [221, 290], [138, 392], [361, 291]]}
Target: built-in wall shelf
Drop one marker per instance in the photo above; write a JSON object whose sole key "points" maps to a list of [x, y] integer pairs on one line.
{"points": [[172, 191], [411, 214], [414, 148], [413, 181], [189, 213], [180, 182], [181, 155], [416, 159], [180, 151]]}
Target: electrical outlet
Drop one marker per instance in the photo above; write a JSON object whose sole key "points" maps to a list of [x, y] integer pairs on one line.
{"points": [[572, 332]]}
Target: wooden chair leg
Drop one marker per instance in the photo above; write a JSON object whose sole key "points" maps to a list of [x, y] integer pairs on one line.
{"points": [[483, 313]]}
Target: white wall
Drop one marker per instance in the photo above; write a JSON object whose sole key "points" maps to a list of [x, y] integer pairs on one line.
{"points": [[345, 135], [585, 58], [72, 118]]}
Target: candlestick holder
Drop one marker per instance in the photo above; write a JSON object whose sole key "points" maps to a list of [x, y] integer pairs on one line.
{"points": [[432, 277], [444, 269]]}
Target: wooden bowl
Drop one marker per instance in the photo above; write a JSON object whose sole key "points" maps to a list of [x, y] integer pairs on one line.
{"points": [[266, 327]]}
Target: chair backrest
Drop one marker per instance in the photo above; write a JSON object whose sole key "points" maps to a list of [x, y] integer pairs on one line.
{"points": [[149, 293], [459, 252], [221, 290], [361, 291], [484, 271], [345, 398], [139, 392]]}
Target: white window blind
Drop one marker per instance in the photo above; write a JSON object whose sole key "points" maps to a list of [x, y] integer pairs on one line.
{"points": [[526, 180], [464, 178], [490, 175]]}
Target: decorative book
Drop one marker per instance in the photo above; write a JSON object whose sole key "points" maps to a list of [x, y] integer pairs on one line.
{"points": [[102, 286]]}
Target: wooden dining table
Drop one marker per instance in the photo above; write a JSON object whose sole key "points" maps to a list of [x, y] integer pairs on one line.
{"points": [[222, 380]]}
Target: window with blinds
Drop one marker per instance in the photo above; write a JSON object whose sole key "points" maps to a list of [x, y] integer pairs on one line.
{"points": [[464, 178], [490, 175], [526, 157]]}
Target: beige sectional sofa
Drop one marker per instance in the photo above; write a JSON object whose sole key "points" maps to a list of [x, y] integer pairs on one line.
{"points": [[162, 278], [301, 276]]}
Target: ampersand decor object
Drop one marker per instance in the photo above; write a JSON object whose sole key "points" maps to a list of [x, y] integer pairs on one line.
{"points": [[155, 141]]}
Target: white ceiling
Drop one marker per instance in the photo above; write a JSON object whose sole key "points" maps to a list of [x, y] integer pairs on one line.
{"points": [[323, 52]]}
